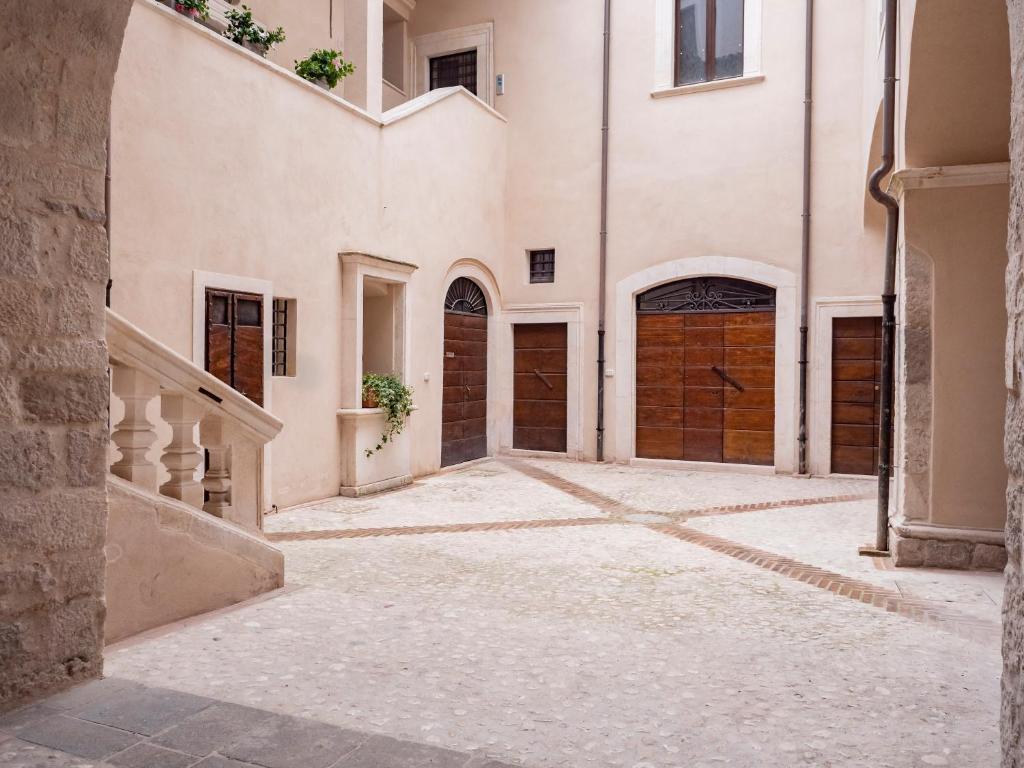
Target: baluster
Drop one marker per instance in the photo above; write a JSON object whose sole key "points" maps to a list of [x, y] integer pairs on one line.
{"points": [[182, 455], [134, 434], [217, 480]]}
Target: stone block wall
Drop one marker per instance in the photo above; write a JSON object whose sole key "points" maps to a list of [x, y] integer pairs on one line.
{"points": [[58, 60], [1013, 607]]}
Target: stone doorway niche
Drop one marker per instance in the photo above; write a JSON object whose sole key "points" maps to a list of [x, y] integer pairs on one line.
{"points": [[374, 327]]}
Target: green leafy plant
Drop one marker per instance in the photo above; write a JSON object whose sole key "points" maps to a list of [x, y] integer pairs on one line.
{"points": [[395, 398], [242, 29], [324, 64], [197, 9]]}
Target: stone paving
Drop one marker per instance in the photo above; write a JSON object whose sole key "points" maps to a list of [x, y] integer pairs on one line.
{"points": [[629, 641]]}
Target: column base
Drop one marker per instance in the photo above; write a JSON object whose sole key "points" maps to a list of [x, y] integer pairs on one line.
{"points": [[919, 545]]}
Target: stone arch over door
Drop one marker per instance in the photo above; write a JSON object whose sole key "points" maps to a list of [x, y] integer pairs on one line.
{"points": [[469, 343], [58, 60], [785, 284]]}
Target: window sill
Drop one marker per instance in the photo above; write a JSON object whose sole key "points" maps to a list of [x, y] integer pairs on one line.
{"points": [[714, 85]]}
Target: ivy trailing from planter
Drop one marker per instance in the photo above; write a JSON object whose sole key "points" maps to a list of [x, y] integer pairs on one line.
{"points": [[324, 67], [394, 397], [194, 9], [246, 32]]}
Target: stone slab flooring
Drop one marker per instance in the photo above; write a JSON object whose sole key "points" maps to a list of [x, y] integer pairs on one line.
{"points": [[549, 613]]}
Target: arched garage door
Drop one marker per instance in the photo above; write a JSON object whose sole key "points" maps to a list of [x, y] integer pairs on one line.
{"points": [[705, 372]]}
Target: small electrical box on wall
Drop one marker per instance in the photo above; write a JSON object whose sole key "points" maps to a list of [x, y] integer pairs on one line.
{"points": [[499, 85]]}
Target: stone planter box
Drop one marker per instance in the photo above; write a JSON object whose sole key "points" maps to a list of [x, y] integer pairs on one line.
{"points": [[389, 468]]}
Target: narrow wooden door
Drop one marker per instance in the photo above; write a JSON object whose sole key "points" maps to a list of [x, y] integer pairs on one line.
{"points": [[539, 389], [464, 405], [856, 377], [234, 341]]}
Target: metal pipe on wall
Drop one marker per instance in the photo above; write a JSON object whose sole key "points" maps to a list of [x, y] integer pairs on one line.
{"points": [[805, 250], [892, 219], [603, 259]]}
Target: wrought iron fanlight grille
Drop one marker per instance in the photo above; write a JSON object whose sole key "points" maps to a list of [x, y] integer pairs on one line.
{"points": [[707, 294], [465, 297]]}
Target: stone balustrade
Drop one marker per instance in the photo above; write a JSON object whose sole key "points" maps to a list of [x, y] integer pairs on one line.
{"points": [[230, 428]]}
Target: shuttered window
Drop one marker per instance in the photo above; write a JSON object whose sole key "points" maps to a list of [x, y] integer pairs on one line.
{"points": [[234, 341]]}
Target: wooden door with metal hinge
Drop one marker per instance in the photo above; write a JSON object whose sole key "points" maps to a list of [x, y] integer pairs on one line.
{"points": [[705, 372], [540, 385]]}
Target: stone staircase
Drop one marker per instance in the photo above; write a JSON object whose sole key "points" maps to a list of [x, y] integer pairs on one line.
{"points": [[184, 534]]}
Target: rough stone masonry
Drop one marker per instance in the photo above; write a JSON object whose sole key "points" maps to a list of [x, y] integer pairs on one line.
{"points": [[58, 60], [1013, 608]]}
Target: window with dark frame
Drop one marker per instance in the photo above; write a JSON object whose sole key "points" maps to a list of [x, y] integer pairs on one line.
{"points": [[454, 69], [709, 40], [279, 349], [542, 266]]}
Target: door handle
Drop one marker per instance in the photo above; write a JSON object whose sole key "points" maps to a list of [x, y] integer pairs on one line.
{"points": [[544, 378], [727, 378]]}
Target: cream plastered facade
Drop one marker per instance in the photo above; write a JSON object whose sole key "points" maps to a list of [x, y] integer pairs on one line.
{"points": [[259, 176]]}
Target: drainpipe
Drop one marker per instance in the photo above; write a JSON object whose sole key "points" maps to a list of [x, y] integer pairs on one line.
{"points": [[805, 251], [892, 219], [106, 212], [603, 261]]}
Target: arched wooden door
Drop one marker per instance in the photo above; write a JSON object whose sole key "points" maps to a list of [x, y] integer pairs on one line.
{"points": [[705, 372], [464, 401]]}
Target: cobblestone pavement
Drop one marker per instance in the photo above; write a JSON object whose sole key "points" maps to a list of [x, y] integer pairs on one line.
{"points": [[697, 620]]}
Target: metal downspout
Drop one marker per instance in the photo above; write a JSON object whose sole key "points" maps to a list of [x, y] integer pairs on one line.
{"points": [[805, 252], [106, 211], [603, 260], [892, 219]]}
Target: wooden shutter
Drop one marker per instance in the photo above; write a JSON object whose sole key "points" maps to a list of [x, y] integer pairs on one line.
{"points": [[234, 341]]}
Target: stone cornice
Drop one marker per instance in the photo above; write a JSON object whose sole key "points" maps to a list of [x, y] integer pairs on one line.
{"points": [[367, 259], [949, 176]]}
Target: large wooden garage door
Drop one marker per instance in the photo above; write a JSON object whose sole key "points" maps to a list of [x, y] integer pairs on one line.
{"points": [[464, 402], [856, 377], [705, 372], [539, 391]]}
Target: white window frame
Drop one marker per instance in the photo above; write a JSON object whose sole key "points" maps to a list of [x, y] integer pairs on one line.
{"points": [[665, 46], [479, 37]]}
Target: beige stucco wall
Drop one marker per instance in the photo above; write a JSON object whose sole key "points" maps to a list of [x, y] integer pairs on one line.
{"points": [[58, 61], [245, 193], [955, 81], [455, 187], [1013, 607], [167, 561], [690, 176], [963, 233]]}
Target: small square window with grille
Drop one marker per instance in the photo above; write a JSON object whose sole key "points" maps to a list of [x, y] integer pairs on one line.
{"points": [[542, 266], [283, 338], [454, 69]]}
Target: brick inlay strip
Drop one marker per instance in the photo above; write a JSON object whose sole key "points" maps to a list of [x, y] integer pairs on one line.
{"points": [[413, 530], [874, 595], [615, 507]]}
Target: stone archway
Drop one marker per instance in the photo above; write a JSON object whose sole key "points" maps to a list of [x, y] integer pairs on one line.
{"points": [[58, 61]]}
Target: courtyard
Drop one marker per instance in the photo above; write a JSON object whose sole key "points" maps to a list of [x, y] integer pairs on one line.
{"points": [[547, 613]]}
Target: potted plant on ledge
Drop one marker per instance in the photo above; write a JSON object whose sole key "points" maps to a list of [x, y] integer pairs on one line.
{"points": [[247, 33], [325, 68], [394, 397], [197, 10]]}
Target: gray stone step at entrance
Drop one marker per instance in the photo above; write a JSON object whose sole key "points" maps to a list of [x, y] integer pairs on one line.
{"points": [[128, 725]]}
